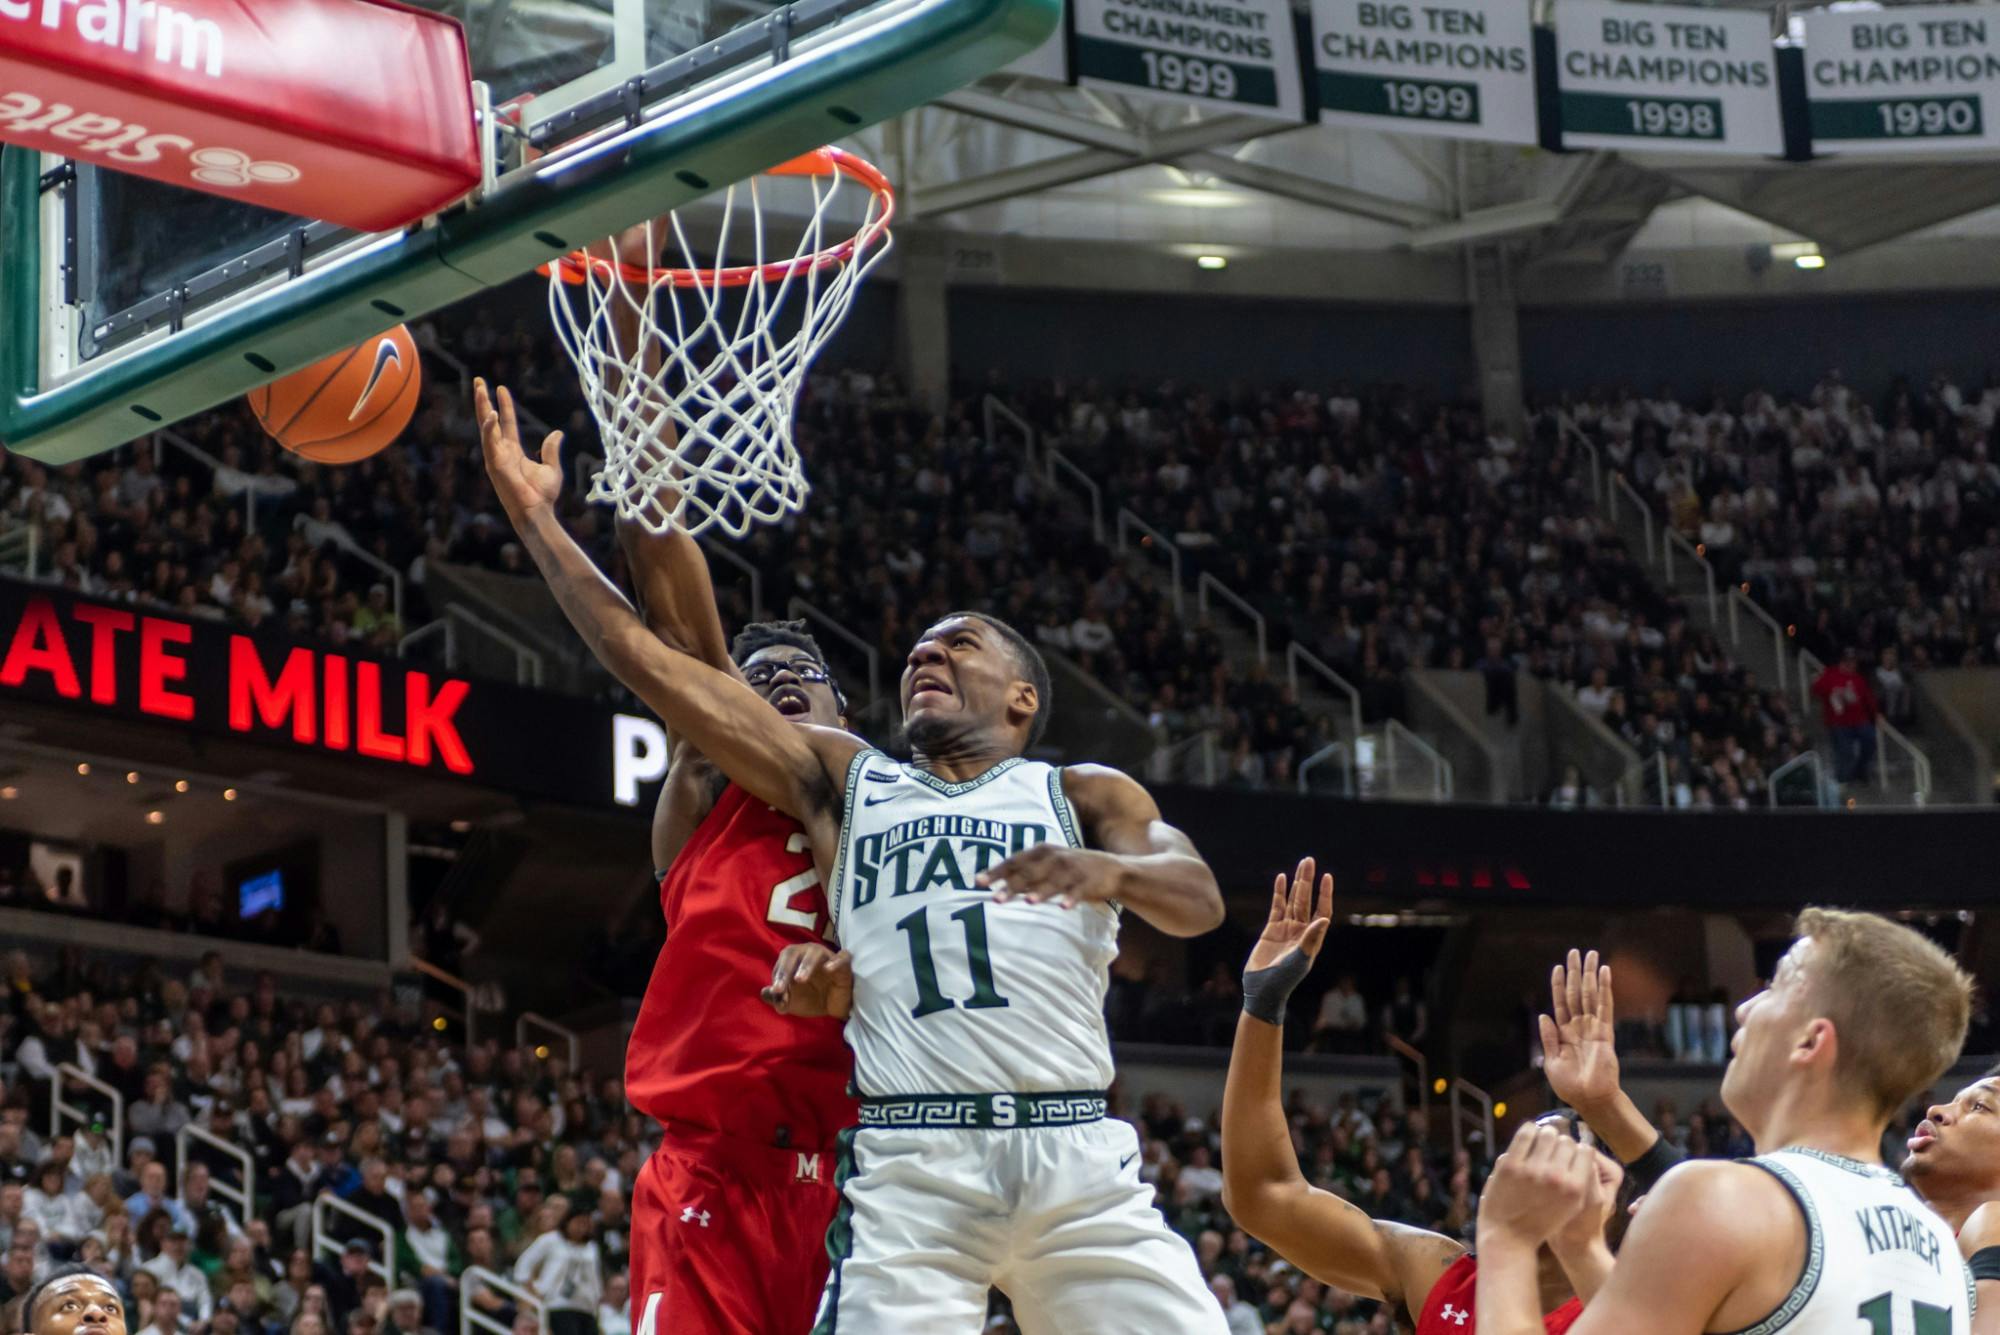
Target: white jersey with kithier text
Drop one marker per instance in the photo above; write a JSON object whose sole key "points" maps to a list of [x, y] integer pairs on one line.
{"points": [[1878, 1260], [953, 993]]}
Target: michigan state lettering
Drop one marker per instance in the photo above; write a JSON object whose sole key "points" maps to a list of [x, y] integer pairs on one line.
{"points": [[935, 852], [954, 992]]}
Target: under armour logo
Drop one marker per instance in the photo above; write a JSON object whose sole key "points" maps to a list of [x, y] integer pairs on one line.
{"points": [[1458, 1316], [689, 1215]]}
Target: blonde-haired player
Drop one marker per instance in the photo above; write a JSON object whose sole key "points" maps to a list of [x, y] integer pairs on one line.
{"points": [[1814, 1236]]}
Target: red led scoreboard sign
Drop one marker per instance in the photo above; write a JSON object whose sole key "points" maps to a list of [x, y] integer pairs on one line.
{"points": [[133, 663]]}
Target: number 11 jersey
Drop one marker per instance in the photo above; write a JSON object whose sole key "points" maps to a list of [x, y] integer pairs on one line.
{"points": [[953, 993]]}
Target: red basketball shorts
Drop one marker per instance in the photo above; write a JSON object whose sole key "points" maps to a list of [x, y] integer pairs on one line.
{"points": [[729, 1238]]}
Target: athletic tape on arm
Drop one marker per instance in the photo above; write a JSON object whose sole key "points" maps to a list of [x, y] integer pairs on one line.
{"points": [[1265, 991]]}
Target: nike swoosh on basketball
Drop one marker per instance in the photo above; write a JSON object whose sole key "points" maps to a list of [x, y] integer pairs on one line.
{"points": [[385, 352]]}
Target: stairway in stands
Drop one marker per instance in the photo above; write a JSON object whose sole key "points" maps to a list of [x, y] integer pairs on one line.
{"points": [[1150, 559]]}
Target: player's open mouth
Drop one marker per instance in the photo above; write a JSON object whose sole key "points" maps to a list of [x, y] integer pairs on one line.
{"points": [[791, 702], [928, 684], [1925, 1136]]}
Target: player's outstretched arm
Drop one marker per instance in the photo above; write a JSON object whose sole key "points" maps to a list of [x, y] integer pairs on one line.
{"points": [[1580, 1059], [1135, 859], [796, 769], [1262, 1187], [1982, 1234], [1716, 1246]]}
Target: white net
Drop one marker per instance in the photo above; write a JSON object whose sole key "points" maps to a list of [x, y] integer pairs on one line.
{"points": [[692, 372]]}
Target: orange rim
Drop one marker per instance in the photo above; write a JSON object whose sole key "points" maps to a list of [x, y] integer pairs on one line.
{"points": [[576, 267]]}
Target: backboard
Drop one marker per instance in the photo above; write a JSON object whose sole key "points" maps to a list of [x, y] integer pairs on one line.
{"points": [[126, 304]]}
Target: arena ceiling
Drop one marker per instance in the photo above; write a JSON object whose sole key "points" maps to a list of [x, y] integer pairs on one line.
{"points": [[1015, 154]]}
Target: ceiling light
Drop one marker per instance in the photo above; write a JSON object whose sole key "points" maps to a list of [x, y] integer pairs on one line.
{"points": [[156, 817], [180, 785], [9, 793], [1211, 262], [131, 776], [1195, 197], [229, 794], [1810, 261], [461, 827], [83, 769]]}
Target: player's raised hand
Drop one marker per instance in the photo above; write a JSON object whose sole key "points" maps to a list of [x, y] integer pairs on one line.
{"points": [[1295, 921], [811, 981], [1537, 1187], [1585, 1228], [1578, 1053], [522, 484], [1045, 872]]}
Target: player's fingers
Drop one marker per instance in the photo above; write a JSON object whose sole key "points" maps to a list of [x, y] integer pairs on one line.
{"points": [[552, 450], [1315, 935], [1586, 979], [1300, 907], [1278, 899], [842, 962], [507, 414], [1325, 909], [1573, 982], [1607, 1011], [1558, 1001], [1551, 1036]]}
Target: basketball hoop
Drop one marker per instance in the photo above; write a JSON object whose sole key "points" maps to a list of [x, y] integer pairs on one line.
{"points": [[735, 377]]}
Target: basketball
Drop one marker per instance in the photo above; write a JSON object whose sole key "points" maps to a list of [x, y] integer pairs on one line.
{"points": [[348, 406]]}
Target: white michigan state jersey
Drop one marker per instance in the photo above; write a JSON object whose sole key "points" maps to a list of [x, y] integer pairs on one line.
{"points": [[1878, 1260], [953, 993]]}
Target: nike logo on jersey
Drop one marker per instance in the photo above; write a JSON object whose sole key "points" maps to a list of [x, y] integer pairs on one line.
{"points": [[1127, 1159], [385, 352], [878, 801]]}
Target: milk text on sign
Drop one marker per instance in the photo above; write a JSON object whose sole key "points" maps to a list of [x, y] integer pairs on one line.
{"points": [[168, 35]]}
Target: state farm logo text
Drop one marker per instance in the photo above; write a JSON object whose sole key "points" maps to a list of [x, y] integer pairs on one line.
{"points": [[122, 143], [159, 31]]}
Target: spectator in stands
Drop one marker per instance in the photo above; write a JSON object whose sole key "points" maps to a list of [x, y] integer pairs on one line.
{"points": [[53, 1206], [426, 1253], [563, 1269], [198, 1204], [166, 1313], [152, 1195], [159, 1116], [175, 1270], [406, 1314], [1848, 707], [1343, 1018]]}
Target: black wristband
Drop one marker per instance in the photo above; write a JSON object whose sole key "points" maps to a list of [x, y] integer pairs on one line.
{"points": [[1650, 1167], [1265, 991], [1985, 1263]]}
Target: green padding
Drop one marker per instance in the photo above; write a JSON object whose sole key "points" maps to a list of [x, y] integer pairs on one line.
{"points": [[938, 48]]}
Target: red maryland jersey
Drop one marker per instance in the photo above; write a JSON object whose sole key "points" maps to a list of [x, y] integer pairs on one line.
{"points": [[1448, 1311], [706, 1050]]}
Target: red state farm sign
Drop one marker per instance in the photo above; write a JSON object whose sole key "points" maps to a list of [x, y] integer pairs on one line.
{"points": [[358, 112], [135, 663]]}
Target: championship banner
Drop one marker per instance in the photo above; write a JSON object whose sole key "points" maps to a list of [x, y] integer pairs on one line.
{"points": [[1902, 80], [1460, 69], [342, 110], [1229, 55], [1667, 76]]}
